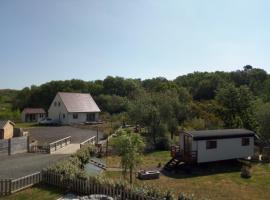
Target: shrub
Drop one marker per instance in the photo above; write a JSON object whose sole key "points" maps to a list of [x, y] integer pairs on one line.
{"points": [[246, 171], [163, 143], [73, 167], [66, 168]]}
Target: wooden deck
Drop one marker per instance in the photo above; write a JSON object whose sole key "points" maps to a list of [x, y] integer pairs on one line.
{"points": [[185, 156]]}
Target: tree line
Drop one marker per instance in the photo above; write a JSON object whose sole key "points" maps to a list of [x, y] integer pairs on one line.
{"points": [[199, 100]]}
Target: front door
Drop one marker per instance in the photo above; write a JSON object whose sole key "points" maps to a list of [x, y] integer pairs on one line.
{"points": [[90, 117], [187, 144]]}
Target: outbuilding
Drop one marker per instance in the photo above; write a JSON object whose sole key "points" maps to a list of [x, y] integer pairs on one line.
{"points": [[214, 145], [33, 114], [6, 129], [68, 108]]}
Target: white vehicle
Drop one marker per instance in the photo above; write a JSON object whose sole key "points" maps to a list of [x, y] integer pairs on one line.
{"points": [[48, 121]]}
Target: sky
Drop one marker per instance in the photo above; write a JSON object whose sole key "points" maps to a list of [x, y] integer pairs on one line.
{"points": [[91, 39]]}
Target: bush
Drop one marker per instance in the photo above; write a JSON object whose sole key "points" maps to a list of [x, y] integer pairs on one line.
{"points": [[163, 143], [73, 167], [246, 171]]}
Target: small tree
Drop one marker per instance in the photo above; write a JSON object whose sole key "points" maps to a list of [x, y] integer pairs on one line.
{"points": [[130, 147]]}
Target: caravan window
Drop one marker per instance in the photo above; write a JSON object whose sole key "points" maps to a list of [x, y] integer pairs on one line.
{"points": [[211, 144], [245, 142]]}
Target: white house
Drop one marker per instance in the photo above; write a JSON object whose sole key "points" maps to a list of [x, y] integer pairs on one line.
{"points": [[33, 114], [214, 145], [70, 108]]}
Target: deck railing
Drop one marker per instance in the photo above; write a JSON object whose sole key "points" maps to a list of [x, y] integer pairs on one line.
{"points": [[187, 156], [59, 144], [91, 140]]}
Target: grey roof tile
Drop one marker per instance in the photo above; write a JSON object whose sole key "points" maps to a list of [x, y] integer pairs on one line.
{"points": [[79, 102]]}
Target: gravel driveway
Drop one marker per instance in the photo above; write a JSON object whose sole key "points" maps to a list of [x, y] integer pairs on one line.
{"points": [[19, 165], [51, 134]]}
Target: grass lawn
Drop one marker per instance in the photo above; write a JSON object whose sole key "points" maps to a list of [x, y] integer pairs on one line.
{"points": [[26, 125], [213, 181], [40, 192], [150, 160]]}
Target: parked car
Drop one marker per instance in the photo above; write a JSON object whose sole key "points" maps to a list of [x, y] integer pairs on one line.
{"points": [[49, 121]]}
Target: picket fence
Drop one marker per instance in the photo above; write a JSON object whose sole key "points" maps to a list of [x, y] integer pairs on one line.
{"points": [[79, 186], [9, 186], [89, 186]]}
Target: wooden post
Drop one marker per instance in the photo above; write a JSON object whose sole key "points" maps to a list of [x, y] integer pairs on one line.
{"points": [[97, 134], [9, 147], [28, 144]]}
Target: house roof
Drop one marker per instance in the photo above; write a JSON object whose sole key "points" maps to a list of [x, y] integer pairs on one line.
{"points": [[79, 102], [220, 133], [3, 123], [34, 110]]}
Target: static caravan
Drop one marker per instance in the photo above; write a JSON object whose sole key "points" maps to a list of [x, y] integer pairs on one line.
{"points": [[214, 145]]}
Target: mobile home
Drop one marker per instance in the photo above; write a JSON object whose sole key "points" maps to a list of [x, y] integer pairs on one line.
{"points": [[214, 145]]}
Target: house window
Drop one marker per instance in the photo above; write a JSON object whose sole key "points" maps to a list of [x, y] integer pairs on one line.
{"points": [[75, 116], [40, 115], [64, 116], [245, 141], [59, 103], [211, 144]]}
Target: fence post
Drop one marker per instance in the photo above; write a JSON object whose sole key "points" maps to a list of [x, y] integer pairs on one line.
{"points": [[9, 146]]}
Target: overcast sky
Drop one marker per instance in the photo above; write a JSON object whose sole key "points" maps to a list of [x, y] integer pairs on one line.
{"points": [[90, 39]]}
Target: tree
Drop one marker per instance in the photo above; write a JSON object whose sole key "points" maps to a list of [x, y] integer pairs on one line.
{"points": [[263, 118], [237, 108], [129, 147]]}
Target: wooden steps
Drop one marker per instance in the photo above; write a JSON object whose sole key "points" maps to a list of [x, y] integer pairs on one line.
{"points": [[173, 163]]}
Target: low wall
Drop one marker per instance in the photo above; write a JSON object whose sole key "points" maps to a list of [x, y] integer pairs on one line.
{"points": [[14, 145], [18, 145], [4, 147]]}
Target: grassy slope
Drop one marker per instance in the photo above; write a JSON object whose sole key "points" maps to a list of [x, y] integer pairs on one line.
{"points": [[6, 98], [223, 185], [40, 192]]}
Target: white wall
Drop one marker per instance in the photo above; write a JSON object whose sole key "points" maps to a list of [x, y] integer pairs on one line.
{"points": [[230, 148], [57, 112]]}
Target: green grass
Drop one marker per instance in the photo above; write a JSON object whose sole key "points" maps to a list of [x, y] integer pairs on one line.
{"points": [[26, 125], [40, 192], [149, 160], [218, 182]]}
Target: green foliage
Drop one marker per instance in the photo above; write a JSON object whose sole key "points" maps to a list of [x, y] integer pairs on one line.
{"points": [[73, 167], [6, 101], [263, 118], [200, 100], [160, 112], [237, 108], [113, 103], [129, 147]]}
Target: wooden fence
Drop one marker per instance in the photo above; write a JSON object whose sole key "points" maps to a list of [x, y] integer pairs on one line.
{"points": [[91, 140], [33, 148], [88, 187], [9, 186], [80, 186]]}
